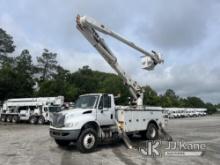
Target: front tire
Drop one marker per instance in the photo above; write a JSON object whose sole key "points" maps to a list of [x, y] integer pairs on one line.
{"points": [[87, 141]]}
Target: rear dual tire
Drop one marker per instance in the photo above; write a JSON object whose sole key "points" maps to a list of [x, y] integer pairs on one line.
{"points": [[15, 119], [152, 132], [9, 118], [33, 120], [41, 120], [37, 120], [3, 118]]}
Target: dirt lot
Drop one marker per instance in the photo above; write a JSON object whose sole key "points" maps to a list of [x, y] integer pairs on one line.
{"points": [[24, 144]]}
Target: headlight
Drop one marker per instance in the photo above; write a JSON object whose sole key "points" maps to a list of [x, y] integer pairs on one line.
{"points": [[71, 124], [69, 116]]}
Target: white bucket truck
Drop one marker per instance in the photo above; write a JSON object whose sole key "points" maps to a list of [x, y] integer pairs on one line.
{"points": [[95, 116], [34, 110]]}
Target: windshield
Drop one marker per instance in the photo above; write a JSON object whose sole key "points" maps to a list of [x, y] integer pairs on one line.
{"points": [[86, 101], [54, 109]]}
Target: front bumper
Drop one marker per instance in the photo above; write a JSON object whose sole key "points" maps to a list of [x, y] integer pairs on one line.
{"points": [[64, 134]]}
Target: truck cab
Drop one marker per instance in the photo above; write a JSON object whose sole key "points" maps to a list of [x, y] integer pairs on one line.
{"points": [[97, 108]]}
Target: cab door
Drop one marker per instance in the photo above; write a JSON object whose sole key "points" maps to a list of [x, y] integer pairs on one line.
{"points": [[105, 110]]}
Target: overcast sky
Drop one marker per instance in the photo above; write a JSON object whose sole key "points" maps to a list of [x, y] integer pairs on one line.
{"points": [[185, 32]]}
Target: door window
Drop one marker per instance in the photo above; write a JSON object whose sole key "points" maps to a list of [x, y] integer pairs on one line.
{"points": [[105, 102]]}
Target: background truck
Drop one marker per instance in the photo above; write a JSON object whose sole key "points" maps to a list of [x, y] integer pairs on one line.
{"points": [[95, 117], [34, 110]]}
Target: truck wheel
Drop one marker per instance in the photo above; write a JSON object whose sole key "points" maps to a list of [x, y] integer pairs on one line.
{"points": [[41, 120], [3, 118], [33, 120], [152, 132], [62, 143], [9, 118], [15, 119], [87, 141]]}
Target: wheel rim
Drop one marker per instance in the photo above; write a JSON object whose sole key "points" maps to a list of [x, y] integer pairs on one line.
{"points": [[32, 121], [40, 121], [89, 141], [15, 119], [3, 119], [152, 132]]}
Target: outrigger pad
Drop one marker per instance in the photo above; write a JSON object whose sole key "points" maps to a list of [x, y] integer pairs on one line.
{"points": [[126, 139], [163, 135]]}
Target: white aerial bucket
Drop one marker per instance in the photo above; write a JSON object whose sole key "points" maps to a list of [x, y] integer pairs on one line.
{"points": [[150, 62], [147, 63]]}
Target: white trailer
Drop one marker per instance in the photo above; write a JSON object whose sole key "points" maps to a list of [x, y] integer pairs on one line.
{"points": [[34, 110], [95, 116]]}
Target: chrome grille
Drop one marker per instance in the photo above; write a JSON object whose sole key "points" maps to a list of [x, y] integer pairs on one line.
{"points": [[58, 120]]}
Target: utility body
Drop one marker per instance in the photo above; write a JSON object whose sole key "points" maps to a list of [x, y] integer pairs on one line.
{"points": [[34, 110]]}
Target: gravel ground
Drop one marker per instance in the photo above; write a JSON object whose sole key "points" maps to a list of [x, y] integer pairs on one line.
{"points": [[24, 144]]}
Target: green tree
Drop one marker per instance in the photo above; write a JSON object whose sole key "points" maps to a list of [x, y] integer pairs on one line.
{"points": [[171, 98], [114, 85], [24, 70], [59, 85], [47, 64], [195, 102], [170, 93], [24, 63], [210, 108], [85, 79], [6, 46], [150, 97], [8, 84], [17, 80]]}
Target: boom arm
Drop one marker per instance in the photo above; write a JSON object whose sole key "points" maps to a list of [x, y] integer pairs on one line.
{"points": [[88, 26]]}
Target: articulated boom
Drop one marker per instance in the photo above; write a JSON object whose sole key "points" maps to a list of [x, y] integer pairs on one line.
{"points": [[87, 27]]}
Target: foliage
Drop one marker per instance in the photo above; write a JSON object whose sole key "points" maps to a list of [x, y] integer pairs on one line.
{"points": [[210, 108], [18, 76], [6, 46], [150, 97], [47, 64]]}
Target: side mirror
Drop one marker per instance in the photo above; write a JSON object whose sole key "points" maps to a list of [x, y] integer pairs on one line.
{"points": [[101, 106]]}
